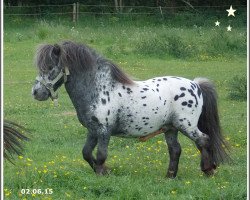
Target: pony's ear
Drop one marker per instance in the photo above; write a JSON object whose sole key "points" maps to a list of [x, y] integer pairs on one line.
{"points": [[57, 50]]}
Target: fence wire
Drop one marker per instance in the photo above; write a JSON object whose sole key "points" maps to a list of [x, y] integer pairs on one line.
{"points": [[68, 9]]}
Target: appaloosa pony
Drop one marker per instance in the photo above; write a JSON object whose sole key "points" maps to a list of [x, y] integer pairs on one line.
{"points": [[109, 103]]}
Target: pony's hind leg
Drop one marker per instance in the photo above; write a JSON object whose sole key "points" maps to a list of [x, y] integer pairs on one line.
{"points": [[207, 164], [88, 148], [174, 150], [202, 141]]}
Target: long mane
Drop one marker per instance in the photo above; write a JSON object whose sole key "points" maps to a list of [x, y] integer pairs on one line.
{"points": [[78, 57], [81, 58]]}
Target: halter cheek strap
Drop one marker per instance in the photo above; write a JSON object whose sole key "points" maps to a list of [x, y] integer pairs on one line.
{"points": [[50, 84]]}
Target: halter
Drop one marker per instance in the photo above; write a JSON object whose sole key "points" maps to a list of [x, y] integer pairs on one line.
{"points": [[50, 84]]}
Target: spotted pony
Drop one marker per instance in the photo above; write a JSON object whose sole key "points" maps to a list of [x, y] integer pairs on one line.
{"points": [[109, 103]]}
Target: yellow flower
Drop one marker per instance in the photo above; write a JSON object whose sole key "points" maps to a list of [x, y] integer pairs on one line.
{"points": [[173, 192], [45, 171], [67, 194], [67, 173], [52, 162], [7, 193], [187, 182], [29, 160], [159, 141], [20, 157]]}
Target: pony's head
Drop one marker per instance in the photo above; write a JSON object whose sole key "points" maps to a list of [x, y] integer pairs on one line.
{"points": [[51, 72]]}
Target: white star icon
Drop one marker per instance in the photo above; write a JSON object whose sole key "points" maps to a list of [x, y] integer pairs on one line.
{"points": [[229, 28], [217, 23], [231, 11]]}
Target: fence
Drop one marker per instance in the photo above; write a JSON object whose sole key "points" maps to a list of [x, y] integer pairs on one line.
{"points": [[76, 9]]}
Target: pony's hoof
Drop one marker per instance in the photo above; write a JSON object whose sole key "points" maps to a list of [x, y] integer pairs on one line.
{"points": [[101, 170], [210, 172], [171, 174]]}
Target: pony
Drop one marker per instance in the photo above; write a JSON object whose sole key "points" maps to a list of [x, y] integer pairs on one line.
{"points": [[109, 103]]}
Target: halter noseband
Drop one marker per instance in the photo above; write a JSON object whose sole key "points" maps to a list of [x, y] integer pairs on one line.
{"points": [[50, 84]]}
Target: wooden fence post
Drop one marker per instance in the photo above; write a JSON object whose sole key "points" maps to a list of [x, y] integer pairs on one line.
{"points": [[77, 11], [74, 12], [161, 11]]}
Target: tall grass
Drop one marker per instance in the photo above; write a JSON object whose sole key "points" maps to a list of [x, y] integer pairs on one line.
{"points": [[195, 42], [237, 87]]}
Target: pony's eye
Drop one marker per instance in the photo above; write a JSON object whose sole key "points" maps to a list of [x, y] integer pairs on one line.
{"points": [[50, 68]]}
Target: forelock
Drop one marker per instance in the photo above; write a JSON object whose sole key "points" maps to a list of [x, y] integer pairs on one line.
{"points": [[44, 57]]}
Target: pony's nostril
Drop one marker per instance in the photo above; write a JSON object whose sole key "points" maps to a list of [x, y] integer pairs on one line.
{"points": [[34, 92]]}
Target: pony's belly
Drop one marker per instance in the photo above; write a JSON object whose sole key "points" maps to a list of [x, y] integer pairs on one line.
{"points": [[137, 132]]}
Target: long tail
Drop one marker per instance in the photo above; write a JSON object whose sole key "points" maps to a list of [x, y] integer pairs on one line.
{"points": [[12, 136], [209, 122]]}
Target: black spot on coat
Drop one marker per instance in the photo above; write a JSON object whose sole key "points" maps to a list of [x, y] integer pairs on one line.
{"points": [[95, 119], [103, 101], [184, 103]]}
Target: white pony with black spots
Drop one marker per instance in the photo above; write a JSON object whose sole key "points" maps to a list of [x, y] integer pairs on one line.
{"points": [[109, 103]]}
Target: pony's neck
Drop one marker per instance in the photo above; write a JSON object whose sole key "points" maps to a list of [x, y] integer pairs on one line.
{"points": [[84, 87]]}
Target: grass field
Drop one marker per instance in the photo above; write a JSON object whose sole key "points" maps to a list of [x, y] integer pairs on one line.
{"points": [[52, 159]]}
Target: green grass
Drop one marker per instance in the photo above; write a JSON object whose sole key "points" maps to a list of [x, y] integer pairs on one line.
{"points": [[52, 159]]}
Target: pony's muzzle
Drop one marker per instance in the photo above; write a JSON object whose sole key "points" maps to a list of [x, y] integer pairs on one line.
{"points": [[39, 92]]}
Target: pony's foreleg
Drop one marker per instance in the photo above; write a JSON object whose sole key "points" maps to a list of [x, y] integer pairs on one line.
{"points": [[88, 148], [102, 153], [174, 150]]}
